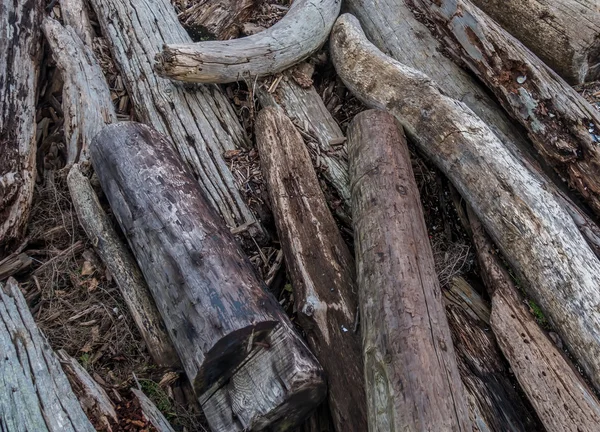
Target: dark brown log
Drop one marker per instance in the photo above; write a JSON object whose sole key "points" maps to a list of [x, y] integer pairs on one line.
{"points": [[217, 312], [35, 394], [20, 56], [318, 262], [412, 379]]}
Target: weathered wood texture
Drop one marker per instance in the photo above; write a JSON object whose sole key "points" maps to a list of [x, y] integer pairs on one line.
{"points": [[86, 97], [565, 34], [412, 379], [563, 126], [20, 56], [122, 267], [302, 31], [217, 312], [199, 119], [561, 398], [534, 232], [35, 394], [319, 265], [74, 13], [152, 414]]}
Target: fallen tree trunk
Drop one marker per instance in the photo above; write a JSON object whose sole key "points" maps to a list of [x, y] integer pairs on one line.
{"points": [[199, 120], [529, 225], [299, 34], [561, 398], [565, 34], [220, 19], [35, 394], [20, 56], [218, 314], [412, 379], [564, 127], [319, 265]]}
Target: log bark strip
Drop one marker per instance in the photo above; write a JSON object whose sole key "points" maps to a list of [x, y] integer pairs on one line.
{"points": [[529, 225], [302, 31], [564, 34], [220, 19], [561, 398], [564, 127], [35, 394], [216, 311], [412, 379], [318, 262], [20, 56]]}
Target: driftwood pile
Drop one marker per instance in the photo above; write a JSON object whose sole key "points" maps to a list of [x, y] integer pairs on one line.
{"points": [[481, 88]]}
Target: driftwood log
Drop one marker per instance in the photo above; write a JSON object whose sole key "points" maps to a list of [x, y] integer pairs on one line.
{"points": [[318, 262], [560, 397], [20, 56], [534, 232], [219, 19], [75, 14], [565, 34], [302, 31], [412, 379], [218, 314], [35, 394]]}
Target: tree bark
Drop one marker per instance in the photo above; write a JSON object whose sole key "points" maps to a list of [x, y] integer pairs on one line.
{"points": [[35, 394], [319, 264], [218, 314], [412, 379], [20, 56], [564, 127], [529, 225], [564, 34], [561, 398], [219, 19], [299, 34], [199, 120]]}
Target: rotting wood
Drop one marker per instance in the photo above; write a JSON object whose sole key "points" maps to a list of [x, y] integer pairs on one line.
{"points": [[561, 398], [534, 232], [20, 56], [122, 267], [220, 19], [74, 13], [302, 31], [412, 378], [319, 264], [151, 413], [564, 34], [35, 394], [228, 331]]}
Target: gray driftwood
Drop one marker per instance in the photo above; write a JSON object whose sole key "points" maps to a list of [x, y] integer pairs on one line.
{"points": [[74, 13], [152, 414], [565, 34], [319, 265], [412, 379], [35, 394], [530, 226], [218, 314], [302, 31], [20, 56]]}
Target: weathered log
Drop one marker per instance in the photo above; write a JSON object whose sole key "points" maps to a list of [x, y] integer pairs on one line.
{"points": [[302, 31], [220, 19], [563, 126], [35, 394], [20, 56], [199, 119], [318, 262], [412, 379], [122, 267], [74, 13], [86, 97], [534, 232], [151, 413], [218, 314], [565, 34]]}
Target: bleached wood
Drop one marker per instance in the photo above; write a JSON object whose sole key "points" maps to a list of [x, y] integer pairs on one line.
{"points": [[152, 414], [35, 394], [74, 14], [532, 229], [302, 31]]}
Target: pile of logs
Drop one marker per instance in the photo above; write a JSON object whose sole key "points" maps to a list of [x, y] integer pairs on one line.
{"points": [[481, 88]]}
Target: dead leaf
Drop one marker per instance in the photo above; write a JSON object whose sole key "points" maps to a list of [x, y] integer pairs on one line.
{"points": [[87, 269]]}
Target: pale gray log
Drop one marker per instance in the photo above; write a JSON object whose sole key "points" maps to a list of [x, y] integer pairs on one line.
{"points": [[35, 394], [74, 14], [530, 226], [302, 31], [152, 414]]}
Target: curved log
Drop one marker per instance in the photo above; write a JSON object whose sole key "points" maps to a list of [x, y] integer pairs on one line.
{"points": [[535, 233], [565, 34], [302, 31]]}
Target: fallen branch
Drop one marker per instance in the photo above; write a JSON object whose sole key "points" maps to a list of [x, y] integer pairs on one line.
{"points": [[151, 413]]}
